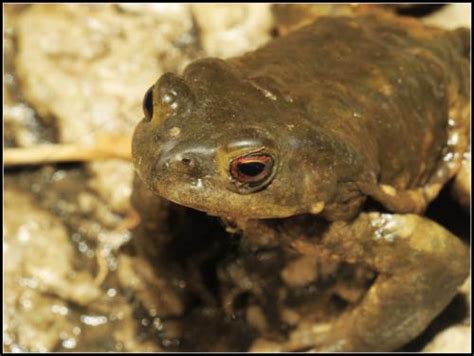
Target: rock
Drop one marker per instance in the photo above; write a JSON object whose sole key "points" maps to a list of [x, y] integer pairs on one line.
{"points": [[158, 295], [38, 285], [300, 272], [39, 249], [450, 16], [22, 126], [92, 63], [113, 182], [455, 339], [462, 183], [231, 29], [43, 290]]}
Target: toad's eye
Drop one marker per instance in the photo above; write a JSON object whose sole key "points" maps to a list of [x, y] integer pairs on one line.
{"points": [[251, 172], [148, 104]]}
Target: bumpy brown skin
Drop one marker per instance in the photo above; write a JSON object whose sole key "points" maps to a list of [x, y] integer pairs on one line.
{"points": [[348, 108]]}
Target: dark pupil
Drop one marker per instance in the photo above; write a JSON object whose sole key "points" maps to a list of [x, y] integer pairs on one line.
{"points": [[148, 104], [251, 169]]}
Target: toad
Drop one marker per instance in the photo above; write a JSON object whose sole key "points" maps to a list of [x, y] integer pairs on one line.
{"points": [[354, 121]]}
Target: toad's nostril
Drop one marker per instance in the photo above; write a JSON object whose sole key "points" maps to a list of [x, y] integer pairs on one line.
{"points": [[187, 161], [183, 164]]}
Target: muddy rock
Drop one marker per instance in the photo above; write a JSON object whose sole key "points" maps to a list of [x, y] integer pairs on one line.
{"points": [[38, 249], [455, 338], [231, 29], [113, 182], [462, 183], [94, 62], [450, 16], [22, 126], [38, 276], [51, 304]]}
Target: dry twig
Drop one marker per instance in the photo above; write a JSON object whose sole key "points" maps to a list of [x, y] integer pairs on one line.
{"points": [[106, 147]]}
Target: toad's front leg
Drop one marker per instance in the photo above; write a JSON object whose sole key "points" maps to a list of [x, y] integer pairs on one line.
{"points": [[419, 266]]}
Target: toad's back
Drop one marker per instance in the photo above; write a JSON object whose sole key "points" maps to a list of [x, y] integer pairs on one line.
{"points": [[395, 90]]}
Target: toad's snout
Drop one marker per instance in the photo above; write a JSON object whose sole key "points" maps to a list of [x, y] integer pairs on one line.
{"points": [[183, 160]]}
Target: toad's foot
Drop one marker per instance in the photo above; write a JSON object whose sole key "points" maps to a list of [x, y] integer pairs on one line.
{"points": [[419, 265]]}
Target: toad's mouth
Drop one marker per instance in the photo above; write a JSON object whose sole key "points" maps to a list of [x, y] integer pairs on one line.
{"points": [[230, 280], [220, 202]]}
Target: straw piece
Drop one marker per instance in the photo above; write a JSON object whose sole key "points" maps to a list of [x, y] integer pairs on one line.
{"points": [[106, 147]]}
